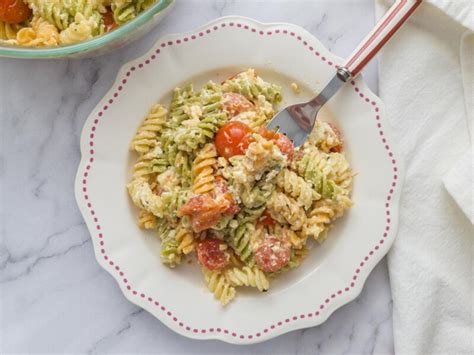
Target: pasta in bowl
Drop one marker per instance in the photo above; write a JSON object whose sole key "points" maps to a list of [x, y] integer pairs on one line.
{"points": [[211, 179], [56, 28]]}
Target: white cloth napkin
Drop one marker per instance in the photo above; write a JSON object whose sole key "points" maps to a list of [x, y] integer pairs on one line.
{"points": [[460, 180], [430, 264]]}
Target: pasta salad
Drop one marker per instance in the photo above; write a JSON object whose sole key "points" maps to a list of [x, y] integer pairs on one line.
{"points": [[46, 23], [212, 180]]}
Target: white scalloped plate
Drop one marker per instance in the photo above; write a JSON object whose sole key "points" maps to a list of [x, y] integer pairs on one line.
{"points": [[331, 276]]}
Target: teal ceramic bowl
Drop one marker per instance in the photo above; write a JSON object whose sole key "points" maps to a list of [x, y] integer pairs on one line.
{"points": [[97, 45]]}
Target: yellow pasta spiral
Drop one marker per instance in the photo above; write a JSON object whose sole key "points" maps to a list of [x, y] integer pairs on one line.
{"points": [[143, 197], [285, 209], [296, 239], [203, 169], [246, 276], [218, 284], [8, 31], [41, 33], [297, 187], [341, 171], [319, 219], [146, 137], [235, 260], [185, 240], [147, 220], [142, 166]]}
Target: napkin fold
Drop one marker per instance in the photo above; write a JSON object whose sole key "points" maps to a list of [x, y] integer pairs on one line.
{"points": [[460, 179], [430, 264]]}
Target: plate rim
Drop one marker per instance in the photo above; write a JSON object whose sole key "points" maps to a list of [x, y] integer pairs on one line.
{"points": [[294, 322]]}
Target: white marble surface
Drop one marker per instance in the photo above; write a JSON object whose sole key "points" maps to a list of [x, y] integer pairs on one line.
{"points": [[54, 296]]}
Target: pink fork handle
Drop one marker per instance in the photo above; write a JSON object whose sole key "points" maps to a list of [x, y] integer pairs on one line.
{"points": [[400, 11]]}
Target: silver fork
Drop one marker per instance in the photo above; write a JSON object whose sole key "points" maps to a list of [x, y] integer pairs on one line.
{"points": [[297, 121]]}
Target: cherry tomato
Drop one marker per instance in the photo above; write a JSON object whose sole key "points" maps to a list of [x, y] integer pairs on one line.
{"points": [[338, 134], [109, 20], [272, 254], [233, 139], [222, 193], [281, 141], [266, 219], [234, 104], [204, 210], [285, 144], [212, 253], [14, 11]]}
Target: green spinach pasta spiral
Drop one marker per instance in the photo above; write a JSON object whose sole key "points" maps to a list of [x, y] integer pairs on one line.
{"points": [[62, 13]]}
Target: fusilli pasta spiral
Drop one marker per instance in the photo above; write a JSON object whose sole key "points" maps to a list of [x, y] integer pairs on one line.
{"points": [[321, 217], [296, 187], [169, 246], [218, 283], [251, 86], [144, 198], [150, 163], [185, 239], [285, 209], [204, 167], [41, 33], [80, 30], [243, 233], [147, 134], [247, 276], [8, 31], [147, 220], [297, 239], [123, 11], [62, 13]]}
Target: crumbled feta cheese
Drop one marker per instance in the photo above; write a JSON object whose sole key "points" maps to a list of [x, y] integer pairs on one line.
{"points": [[191, 122], [167, 178], [264, 106], [193, 111], [245, 117]]}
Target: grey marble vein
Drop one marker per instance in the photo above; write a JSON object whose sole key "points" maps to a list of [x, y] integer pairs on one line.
{"points": [[54, 296]]}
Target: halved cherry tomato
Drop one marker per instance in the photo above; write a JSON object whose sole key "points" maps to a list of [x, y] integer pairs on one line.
{"points": [[233, 139], [338, 134], [266, 219], [204, 210], [234, 104], [222, 192], [272, 254], [14, 11], [109, 20], [212, 253], [285, 144], [281, 141]]}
